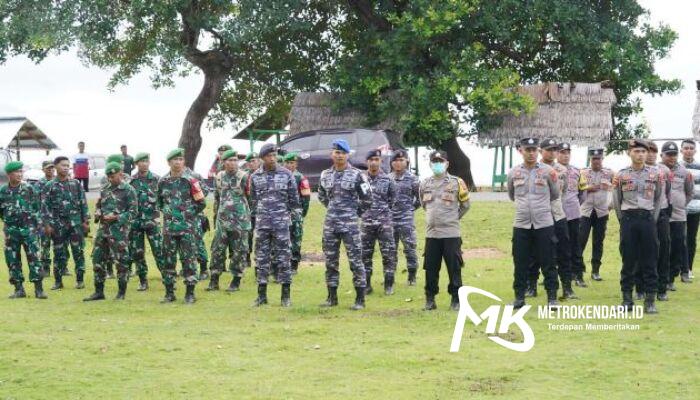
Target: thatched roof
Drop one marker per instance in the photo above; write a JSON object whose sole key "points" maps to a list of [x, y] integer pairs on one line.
{"points": [[696, 114], [311, 111], [580, 113]]}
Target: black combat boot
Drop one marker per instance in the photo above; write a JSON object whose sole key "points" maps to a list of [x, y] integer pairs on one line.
{"points": [[19, 292], [568, 292], [79, 283], [39, 290], [531, 289], [519, 301], [388, 285], [143, 284], [368, 286], [649, 306], [332, 299], [213, 283], [121, 293], [169, 294], [552, 299], [662, 296], [627, 301], [640, 295], [454, 302], [429, 302], [286, 295], [671, 286], [359, 299], [595, 273], [99, 292], [580, 282], [58, 281], [685, 278], [411, 277], [235, 284], [203, 274], [262, 296], [189, 294]]}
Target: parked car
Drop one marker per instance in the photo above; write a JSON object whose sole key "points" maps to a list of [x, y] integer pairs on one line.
{"points": [[32, 173], [314, 148]]}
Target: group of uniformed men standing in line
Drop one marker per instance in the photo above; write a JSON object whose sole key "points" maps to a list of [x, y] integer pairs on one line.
{"points": [[559, 205], [268, 201]]}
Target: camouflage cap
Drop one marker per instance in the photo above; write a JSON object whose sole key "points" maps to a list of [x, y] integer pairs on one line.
{"points": [[13, 166], [228, 154], [179, 152], [117, 158], [47, 164], [113, 168], [141, 156]]}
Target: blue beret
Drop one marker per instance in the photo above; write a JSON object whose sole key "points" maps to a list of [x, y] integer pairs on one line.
{"points": [[267, 149], [373, 153], [342, 145]]}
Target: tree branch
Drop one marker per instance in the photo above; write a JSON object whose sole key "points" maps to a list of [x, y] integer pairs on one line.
{"points": [[364, 10]]}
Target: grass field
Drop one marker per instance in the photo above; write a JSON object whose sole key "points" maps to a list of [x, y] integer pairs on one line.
{"points": [[222, 348]]}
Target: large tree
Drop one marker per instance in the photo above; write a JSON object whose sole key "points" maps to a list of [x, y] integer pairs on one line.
{"points": [[252, 54], [444, 67]]}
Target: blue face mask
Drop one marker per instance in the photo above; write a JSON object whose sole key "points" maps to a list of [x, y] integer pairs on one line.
{"points": [[438, 168]]}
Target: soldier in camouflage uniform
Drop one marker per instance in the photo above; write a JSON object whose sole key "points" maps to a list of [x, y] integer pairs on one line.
{"points": [[147, 221], [377, 223], [118, 205], [180, 198], [104, 182], [19, 208], [274, 195], [407, 201], [345, 192], [232, 223], [251, 165], [298, 214], [200, 229], [44, 240], [64, 213]]}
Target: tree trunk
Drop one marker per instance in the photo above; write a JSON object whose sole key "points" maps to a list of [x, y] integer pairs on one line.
{"points": [[191, 138], [459, 162]]}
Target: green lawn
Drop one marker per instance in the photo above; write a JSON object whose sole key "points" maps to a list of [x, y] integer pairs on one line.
{"points": [[223, 348]]}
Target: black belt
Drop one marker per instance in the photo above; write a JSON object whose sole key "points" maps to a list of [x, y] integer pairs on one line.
{"points": [[636, 212]]}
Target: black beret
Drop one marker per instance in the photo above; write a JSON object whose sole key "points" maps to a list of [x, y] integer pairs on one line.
{"points": [[373, 153], [529, 142]]}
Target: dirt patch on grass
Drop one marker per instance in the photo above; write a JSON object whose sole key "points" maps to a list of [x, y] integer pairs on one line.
{"points": [[482, 253], [312, 257], [490, 386]]}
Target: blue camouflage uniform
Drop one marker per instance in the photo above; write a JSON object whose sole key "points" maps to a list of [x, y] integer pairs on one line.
{"points": [[377, 225], [406, 202]]}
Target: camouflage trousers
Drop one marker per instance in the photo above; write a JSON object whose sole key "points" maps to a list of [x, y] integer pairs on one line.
{"points": [[14, 241], [269, 244], [185, 246], [63, 237], [110, 247], [384, 234], [202, 255], [236, 242], [137, 247], [296, 232], [350, 235], [45, 243], [406, 234]]}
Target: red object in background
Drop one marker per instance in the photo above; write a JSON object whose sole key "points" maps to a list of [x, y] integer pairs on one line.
{"points": [[81, 166]]}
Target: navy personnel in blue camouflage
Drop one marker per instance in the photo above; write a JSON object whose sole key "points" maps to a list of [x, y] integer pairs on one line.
{"points": [[377, 225], [345, 192], [445, 199], [273, 192], [407, 201]]}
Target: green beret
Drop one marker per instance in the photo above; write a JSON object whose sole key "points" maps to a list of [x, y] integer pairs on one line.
{"points": [[251, 156], [228, 154], [141, 157], [113, 168], [13, 166], [291, 156], [179, 152], [117, 158], [225, 147]]}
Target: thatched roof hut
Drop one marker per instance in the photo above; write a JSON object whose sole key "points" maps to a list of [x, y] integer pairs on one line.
{"points": [[696, 114], [312, 111], [580, 113]]}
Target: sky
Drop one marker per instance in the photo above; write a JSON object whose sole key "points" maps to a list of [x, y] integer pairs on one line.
{"points": [[70, 102]]}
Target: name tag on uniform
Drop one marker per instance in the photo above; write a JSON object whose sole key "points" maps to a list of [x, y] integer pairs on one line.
{"points": [[448, 197]]}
